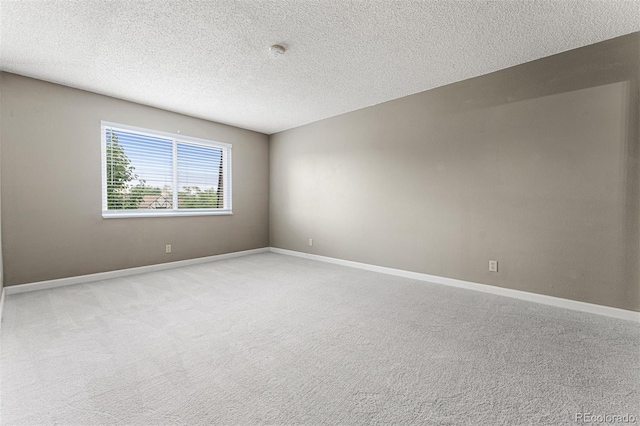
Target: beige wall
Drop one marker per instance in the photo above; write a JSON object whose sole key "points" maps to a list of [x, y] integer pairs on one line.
{"points": [[51, 187], [535, 166]]}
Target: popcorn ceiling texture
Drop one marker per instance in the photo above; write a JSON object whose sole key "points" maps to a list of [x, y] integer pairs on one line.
{"points": [[211, 59]]}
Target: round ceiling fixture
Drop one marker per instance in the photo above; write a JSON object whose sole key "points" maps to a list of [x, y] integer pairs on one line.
{"points": [[277, 50]]}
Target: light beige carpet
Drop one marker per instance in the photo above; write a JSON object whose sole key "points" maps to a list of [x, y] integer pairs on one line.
{"points": [[272, 339]]}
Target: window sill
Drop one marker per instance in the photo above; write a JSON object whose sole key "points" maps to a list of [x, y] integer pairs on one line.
{"points": [[125, 214]]}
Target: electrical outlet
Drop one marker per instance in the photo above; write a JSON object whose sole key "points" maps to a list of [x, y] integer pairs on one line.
{"points": [[493, 266], [168, 248], [310, 241]]}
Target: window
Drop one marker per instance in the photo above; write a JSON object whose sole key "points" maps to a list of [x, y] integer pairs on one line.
{"points": [[149, 173]]}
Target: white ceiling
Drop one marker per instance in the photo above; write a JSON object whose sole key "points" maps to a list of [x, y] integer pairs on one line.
{"points": [[210, 59]]}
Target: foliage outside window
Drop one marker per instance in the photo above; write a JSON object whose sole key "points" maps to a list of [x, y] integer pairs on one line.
{"points": [[147, 173]]}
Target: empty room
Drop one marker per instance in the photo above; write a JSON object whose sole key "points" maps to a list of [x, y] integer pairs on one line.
{"points": [[316, 212]]}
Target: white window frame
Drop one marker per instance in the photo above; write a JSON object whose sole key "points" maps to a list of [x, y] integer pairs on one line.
{"points": [[176, 138]]}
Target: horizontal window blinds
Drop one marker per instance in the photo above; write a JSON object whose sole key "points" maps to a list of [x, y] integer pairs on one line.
{"points": [[139, 167], [143, 172], [200, 179]]}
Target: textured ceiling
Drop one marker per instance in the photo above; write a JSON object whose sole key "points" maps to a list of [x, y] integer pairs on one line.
{"points": [[210, 59]]}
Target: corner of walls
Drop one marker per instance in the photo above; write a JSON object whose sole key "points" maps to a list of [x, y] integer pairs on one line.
{"points": [[534, 166], [271, 170]]}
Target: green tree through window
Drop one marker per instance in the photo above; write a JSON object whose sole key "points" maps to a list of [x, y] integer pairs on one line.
{"points": [[192, 197], [121, 194]]}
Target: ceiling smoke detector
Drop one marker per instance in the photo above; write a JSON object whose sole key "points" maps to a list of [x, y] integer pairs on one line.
{"points": [[277, 50]]}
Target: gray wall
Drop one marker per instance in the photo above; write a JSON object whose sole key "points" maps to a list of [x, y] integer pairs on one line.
{"points": [[51, 187], [535, 166]]}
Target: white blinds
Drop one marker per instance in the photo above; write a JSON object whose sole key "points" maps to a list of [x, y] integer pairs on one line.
{"points": [[200, 177], [155, 173]]}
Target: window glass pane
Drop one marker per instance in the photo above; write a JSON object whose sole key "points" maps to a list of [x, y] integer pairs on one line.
{"points": [[200, 177], [139, 171], [150, 174]]}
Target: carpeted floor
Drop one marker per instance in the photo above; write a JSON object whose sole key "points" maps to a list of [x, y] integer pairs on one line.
{"points": [[272, 339]]}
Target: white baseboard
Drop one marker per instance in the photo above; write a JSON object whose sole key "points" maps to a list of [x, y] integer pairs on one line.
{"points": [[1, 305], [42, 285], [500, 291], [517, 294]]}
